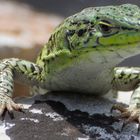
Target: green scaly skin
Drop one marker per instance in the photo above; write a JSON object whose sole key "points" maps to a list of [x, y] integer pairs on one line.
{"points": [[81, 56]]}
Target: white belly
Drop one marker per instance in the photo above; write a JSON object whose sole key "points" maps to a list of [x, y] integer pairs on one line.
{"points": [[91, 76]]}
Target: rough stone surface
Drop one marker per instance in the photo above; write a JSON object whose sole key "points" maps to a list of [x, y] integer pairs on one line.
{"points": [[68, 117]]}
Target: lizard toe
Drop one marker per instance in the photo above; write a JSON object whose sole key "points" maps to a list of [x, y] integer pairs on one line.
{"points": [[10, 110], [119, 107], [17, 107], [124, 114], [2, 108], [131, 118], [132, 114], [9, 107], [7, 104]]}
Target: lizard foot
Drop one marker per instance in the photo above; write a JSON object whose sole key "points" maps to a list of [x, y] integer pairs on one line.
{"points": [[7, 104], [131, 113]]}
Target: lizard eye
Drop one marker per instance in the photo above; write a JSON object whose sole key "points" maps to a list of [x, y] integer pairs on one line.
{"points": [[106, 28]]}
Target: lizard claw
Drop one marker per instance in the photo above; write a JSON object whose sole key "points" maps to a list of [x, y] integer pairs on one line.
{"points": [[118, 107], [132, 114], [7, 104]]}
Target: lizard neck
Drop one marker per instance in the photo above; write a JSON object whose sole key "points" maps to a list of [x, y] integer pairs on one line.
{"points": [[116, 54], [127, 52]]}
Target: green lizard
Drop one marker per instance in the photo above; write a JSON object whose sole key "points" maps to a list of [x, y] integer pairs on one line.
{"points": [[81, 55]]}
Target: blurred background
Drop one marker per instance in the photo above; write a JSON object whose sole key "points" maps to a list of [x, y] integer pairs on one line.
{"points": [[25, 25]]}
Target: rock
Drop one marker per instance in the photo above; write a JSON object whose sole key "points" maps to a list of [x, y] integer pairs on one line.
{"points": [[68, 117]]}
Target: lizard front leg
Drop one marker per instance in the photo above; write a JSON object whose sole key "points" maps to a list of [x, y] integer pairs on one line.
{"points": [[21, 70], [125, 79]]}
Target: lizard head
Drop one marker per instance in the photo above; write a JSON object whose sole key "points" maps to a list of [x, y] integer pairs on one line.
{"points": [[105, 26]]}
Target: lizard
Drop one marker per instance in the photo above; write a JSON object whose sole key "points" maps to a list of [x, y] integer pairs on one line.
{"points": [[82, 55]]}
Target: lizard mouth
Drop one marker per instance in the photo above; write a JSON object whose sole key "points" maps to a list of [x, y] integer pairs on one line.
{"points": [[120, 38]]}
